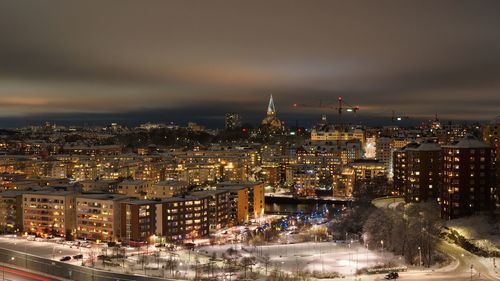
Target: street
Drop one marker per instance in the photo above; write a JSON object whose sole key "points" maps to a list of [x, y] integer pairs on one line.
{"points": [[11, 274], [344, 258]]}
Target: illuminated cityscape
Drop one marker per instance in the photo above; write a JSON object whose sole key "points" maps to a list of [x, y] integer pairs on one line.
{"points": [[249, 141]]}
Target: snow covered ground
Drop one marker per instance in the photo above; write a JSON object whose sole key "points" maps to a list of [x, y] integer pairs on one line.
{"points": [[311, 256], [480, 230]]}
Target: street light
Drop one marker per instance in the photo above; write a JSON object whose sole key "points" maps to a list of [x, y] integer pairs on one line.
{"points": [[382, 242], [349, 254], [420, 256], [366, 254]]}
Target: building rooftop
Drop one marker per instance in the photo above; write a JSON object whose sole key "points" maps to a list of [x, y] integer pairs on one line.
{"points": [[103, 196], [171, 183], [366, 162], [50, 192], [190, 197], [469, 141], [133, 182], [238, 183], [232, 187], [99, 181], [426, 146], [205, 193], [12, 193], [142, 202]]}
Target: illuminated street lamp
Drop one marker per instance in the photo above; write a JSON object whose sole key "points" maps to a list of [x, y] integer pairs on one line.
{"points": [[366, 254], [382, 243], [420, 255]]}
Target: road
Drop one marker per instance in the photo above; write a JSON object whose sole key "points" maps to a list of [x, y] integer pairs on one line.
{"points": [[458, 270], [387, 202], [323, 256], [11, 274], [41, 249]]}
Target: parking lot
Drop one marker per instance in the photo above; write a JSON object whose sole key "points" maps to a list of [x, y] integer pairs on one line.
{"points": [[46, 248]]}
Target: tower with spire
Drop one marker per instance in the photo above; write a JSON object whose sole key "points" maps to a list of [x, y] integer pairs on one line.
{"points": [[271, 123], [271, 111]]}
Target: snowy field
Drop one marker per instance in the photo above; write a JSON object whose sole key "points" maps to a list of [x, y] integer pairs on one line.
{"points": [[480, 230], [311, 256]]}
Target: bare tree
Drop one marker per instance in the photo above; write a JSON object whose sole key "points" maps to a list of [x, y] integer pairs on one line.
{"points": [[247, 262], [171, 265], [267, 261]]}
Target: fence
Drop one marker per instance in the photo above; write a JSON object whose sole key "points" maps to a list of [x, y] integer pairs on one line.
{"points": [[65, 270]]}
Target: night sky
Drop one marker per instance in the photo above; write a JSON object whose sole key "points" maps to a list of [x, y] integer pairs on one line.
{"points": [[133, 61]]}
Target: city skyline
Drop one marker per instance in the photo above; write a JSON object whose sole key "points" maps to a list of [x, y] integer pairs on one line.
{"points": [[249, 140], [183, 62]]}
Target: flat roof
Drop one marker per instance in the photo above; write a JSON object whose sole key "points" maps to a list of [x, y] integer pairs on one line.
{"points": [[103, 196], [208, 192], [50, 192], [183, 198]]}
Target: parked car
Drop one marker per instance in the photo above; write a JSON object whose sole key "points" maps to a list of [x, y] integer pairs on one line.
{"points": [[31, 238], [392, 275], [77, 257], [103, 257], [66, 258]]}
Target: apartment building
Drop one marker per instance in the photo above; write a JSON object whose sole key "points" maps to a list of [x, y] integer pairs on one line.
{"points": [[49, 213], [134, 188], [166, 189], [468, 178], [138, 221], [99, 216], [218, 208], [11, 211], [183, 217]]}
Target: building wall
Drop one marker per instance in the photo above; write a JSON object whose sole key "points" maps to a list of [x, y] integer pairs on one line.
{"points": [[137, 188], [468, 181], [258, 196], [98, 219], [491, 136], [46, 214], [185, 218], [11, 213], [424, 175], [138, 221]]}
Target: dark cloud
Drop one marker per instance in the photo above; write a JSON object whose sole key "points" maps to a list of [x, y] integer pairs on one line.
{"points": [[106, 59]]}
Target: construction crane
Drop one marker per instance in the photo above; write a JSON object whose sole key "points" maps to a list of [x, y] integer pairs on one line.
{"points": [[396, 117], [340, 108]]}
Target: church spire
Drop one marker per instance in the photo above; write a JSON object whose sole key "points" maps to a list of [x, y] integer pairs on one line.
{"points": [[270, 108]]}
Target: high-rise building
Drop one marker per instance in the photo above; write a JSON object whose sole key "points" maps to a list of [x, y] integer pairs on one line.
{"points": [[468, 178], [491, 135], [49, 213], [11, 210], [134, 188], [218, 207], [330, 133], [370, 176], [232, 121], [238, 203], [385, 147], [417, 171], [183, 217], [138, 221], [166, 189], [99, 216]]}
